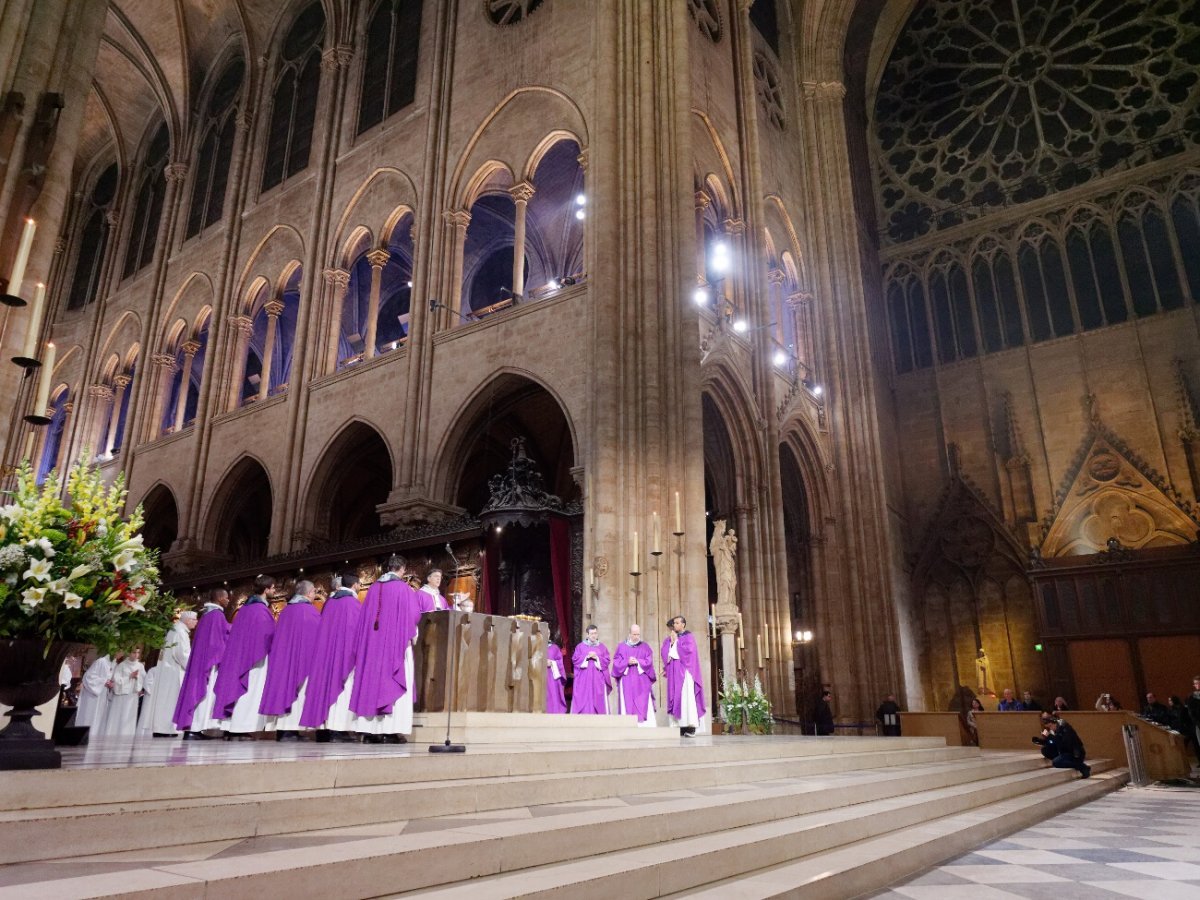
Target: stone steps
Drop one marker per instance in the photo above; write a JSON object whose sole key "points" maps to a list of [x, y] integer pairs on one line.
{"points": [[231, 811], [736, 826], [508, 728]]}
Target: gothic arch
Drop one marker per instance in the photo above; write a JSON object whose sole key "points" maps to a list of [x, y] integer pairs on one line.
{"points": [[238, 523], [353, 475], [712, 157], [195, 294], [280, 247], [160, 512], [373, 205]]}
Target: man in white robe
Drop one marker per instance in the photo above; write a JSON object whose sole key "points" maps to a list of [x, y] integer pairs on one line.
{"points": [[125, 687], [159, 705], [93, 695]]}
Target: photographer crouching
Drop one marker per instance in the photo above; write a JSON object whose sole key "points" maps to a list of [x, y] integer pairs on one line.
{"points": [[1061, 745]]}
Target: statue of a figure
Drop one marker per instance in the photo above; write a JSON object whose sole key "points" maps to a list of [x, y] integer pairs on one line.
{"points": [[981, 663], [723, 548]]}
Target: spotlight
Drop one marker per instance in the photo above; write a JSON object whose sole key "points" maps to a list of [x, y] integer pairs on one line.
{"points": [[579, 215], [580, 199], [740, 326], [553, 285], [818, 390], [720, 257], [567, 280], [410, 284], [700, 296], [780, 359]]}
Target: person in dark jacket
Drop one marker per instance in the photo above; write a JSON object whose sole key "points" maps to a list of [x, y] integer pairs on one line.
{"points": [[1155, 711], [1029, 703], [888, 715], [1193, 707], [1062, 746], [1181, 721], [823, 718]]}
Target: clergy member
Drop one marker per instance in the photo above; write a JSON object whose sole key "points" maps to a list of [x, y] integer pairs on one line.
{"points": [[93, 695], [431, 592], [194, 709], [685, 682], [289, 661], [556, 680], [125, 687], [382, 699], [331, 677], [633, 670], [242, 673], [163, 695], [592, 683]]}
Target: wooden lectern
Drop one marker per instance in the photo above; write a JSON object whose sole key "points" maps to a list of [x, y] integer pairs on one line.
{"points": [[500, 665]]}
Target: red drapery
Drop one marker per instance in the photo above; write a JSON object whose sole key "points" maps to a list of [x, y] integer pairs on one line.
{"points": [[560, 573]]}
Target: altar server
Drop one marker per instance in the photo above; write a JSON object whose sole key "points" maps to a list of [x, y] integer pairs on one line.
{"points": [[431, 592], [382, 699], [633, 670], [194, 708], [143, 722], [93, 695], [685, 682], [556, 680], [242, 673], [592, 683], [125, 687], [162, 695], [331, 676], [289, 662]]}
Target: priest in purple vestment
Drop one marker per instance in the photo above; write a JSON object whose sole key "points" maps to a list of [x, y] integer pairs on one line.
{"points": [[685, 681], [384, 682], [592, 682], [194, 708], [431, 592], [289, 661], [556, 680], [242, 672], [633, 671], [331, 677]]}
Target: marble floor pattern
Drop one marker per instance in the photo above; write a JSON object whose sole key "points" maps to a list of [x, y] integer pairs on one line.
{"points": [[1137, 842]]}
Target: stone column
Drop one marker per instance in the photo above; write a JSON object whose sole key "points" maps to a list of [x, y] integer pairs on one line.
{"points": [[521, 195], [703, 201], [190, 349], [378, 259], [775, 279], [736, 283], [121, 384], [582, 159], [337, 281], [457, 221], [729, 621], [274, 309], [241, 328], [167, 365], [99, 398], [800, 309]]}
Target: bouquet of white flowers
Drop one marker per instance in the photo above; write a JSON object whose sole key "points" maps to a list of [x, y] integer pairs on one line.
{"points": [[746, 707]]}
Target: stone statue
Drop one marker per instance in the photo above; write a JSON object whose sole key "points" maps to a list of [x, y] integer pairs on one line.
{"points": [[723, 548], [981, 663]]}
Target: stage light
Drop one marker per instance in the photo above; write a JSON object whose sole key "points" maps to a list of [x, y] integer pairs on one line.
{"points": [[720, 257], [579, 214], [581, 199], [818, 390], [700, 296], [740, 326], [780, 359], [553, 285], [410, 284]]}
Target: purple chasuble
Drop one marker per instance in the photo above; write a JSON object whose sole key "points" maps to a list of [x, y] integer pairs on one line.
{"points": [[291, 656], [332, 658], [592, 684], [556, 698], [688, 662], [248, 645], [635, 686], [431, 601], [208, 643], [386, 628]]}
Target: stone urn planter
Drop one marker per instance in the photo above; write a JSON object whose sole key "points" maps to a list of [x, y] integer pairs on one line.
{"points": [[29, 678]]}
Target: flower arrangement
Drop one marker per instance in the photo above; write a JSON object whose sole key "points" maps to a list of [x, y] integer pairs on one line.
{"points": [[78, 571], [746, 707]]}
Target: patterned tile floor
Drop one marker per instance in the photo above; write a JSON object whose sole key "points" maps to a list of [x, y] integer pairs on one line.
{"points": [[1137, 842]]}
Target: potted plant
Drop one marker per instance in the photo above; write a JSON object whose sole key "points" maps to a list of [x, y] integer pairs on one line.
{"points": [[72, 572], [746, 708]]}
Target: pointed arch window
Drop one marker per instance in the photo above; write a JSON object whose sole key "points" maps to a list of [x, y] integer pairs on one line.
{"points": [[216, 150], [1185, 217], [389, 81], [911, 345], [148, 205], [294, 102], [93, 241], [952, 316], [1149, 260]]}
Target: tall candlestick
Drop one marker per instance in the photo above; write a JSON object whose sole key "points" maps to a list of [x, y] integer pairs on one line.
{"points": [[43, 394], [28, 357], [17, 275], [656, 547], [758, 646], [767, 639], [29, 438], [678, 515]]}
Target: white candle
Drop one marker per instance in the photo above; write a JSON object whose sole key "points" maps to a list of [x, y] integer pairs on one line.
{"points": [[29, 446], [43, 394], [591, 574], [657, 535], [635, 552], [35, 322], [767, 639], [17, 275], [678, 515]]}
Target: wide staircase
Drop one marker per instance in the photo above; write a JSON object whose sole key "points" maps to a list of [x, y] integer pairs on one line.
{"points": [[744, 817]]}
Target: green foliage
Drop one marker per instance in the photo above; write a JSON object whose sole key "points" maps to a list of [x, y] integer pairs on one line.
{"points": [[78, 570], [744, 706]]}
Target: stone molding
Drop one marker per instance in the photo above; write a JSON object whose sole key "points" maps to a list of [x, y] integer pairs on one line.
{"points": [[378, 258]]}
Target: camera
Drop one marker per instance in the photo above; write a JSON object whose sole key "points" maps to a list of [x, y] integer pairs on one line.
{"points": [[1038, 740]]}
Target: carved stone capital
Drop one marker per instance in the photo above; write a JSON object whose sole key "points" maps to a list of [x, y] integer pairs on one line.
{"points": [[703, 201], [190, 348], [121, 382], [175, 172], [735, 226], [582, 159], [100, 391], [800, 299], [164, 361], [243, 121], [344, 53], [243, 325], [273, 308], [813, 91], [60, 245], [68, 408], [338, 279], [378, 258], [459, 218], [522, 192], [776, 276], [111, 218], [329, 61]]}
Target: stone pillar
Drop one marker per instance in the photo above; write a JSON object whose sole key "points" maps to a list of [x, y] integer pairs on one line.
{"points": [[274, 309], [800, 309], [99, 398], [337, 281], [457, 221], [582, 159], [121, 384], [378, 259], [167, 365], [775, 279], [729, 621], [521, 195], [703, 201], [241, 328], [190, 349]]}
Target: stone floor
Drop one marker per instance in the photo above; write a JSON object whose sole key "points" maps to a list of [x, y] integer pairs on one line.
{"points": [[1137, 842]]}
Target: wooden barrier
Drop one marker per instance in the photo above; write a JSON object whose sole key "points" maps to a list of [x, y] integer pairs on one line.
{"points": [[946, 725]]}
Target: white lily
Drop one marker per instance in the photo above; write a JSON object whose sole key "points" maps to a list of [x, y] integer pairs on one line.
{"points": [[33, 596], [78, 572], [39, 570], [72, 600], [125, 560], [44, 545], [134, 543]]}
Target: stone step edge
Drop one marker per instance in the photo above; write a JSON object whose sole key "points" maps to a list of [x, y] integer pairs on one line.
{"points": [[440, 855], [932, 843], [122, 783], [841, 827]]}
